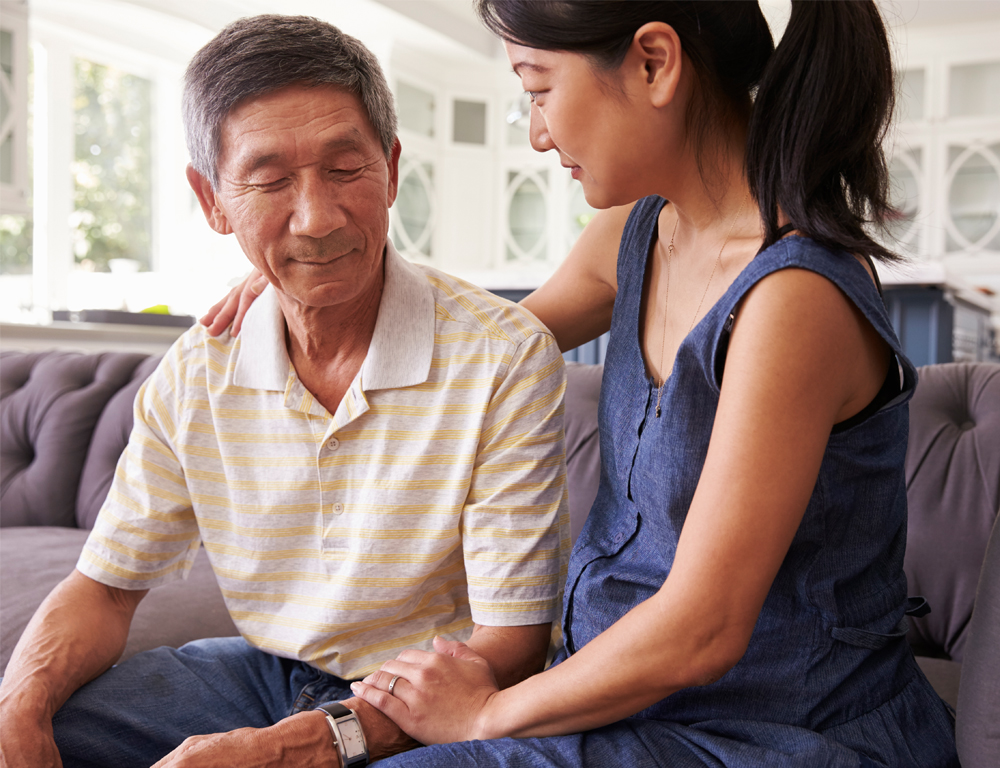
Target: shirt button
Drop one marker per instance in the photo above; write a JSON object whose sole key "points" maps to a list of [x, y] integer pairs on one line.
{"points": [[333, 443], [618, 538], [338, 508]]}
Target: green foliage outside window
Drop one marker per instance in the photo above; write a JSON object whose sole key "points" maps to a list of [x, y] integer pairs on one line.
{"points": [[112, 167], [15, 245]]}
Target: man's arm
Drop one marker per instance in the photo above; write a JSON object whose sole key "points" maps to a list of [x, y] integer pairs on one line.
{"points": [[77, 633]]}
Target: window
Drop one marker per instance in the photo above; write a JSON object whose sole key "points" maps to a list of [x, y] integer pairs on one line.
{"points": [[469, 124], [112, 169]]}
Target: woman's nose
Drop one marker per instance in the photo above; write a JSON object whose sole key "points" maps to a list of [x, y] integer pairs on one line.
{"points": [[538, 133]]}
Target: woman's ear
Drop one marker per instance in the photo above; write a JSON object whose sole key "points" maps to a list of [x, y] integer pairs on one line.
{"points": [[657, 48]]}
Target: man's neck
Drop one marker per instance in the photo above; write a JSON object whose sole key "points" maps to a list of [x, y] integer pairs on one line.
{"points": [[327, 345]]}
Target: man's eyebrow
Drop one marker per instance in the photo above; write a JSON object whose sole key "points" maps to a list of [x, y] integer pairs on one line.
{"points": [[538, 68], [353, 141]]}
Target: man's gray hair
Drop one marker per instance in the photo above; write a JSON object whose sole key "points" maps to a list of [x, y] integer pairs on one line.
{"points": [[262, 54]]}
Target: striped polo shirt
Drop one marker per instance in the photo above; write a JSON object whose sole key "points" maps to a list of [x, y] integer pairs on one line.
{"points": [[433, 498]]}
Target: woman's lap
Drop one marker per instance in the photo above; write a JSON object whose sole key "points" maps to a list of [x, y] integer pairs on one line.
{"points": [[642, 744]]}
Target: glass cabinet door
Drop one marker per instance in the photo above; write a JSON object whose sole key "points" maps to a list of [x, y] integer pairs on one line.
{"points": [[414, 209], [527, 215], [906, 177], [973, 220]]}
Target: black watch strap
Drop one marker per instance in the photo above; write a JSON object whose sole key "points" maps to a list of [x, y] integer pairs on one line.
{"points": [[336, 709]]}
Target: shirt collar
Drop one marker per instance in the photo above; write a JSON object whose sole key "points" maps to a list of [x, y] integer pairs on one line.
{"points": [[400, 352]]}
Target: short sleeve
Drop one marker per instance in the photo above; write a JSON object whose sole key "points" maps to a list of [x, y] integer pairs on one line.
{"points": [[146, 533], [515, 527]]}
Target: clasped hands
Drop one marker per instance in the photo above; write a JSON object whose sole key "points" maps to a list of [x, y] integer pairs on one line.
{"points": [[439, 697]]}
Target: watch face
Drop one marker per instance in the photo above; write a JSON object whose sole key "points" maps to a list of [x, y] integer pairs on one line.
{"points": [[350, 732]]}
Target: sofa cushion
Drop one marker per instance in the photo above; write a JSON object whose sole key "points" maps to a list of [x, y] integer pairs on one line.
{"points": [[110, 438], [978, 728], [50, 403], [953, 492], [34, 559]]}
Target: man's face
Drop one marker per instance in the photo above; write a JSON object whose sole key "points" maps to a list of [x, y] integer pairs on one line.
{"points": [[306, 188]]}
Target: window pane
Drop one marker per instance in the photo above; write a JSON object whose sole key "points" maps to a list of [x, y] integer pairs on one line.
{"points": [[580, 212], [412, 230], [527, 216], [518, 121], [416, 109], [904, 173], [911, 95], [112, 169], [15, 267], [469, 122], [974, 90], [7, 137], [974, 197]]}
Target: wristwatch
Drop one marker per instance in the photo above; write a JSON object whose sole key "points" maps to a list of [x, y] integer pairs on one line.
{"points": [[348, 737]]}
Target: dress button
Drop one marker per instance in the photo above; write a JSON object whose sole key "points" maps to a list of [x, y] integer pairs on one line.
{"points": [[338, 508], [333, 443]]}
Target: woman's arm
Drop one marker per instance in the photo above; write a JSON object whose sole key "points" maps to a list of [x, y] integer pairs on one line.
{"points": [[801, 358], [575, 303]]}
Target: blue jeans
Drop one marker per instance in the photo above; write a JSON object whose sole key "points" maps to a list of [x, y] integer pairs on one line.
{"points": [[142, 709], [139, 711]]}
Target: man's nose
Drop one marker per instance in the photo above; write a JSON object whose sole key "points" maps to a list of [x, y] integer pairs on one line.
{"points": [[538, 134], [317, 211]]}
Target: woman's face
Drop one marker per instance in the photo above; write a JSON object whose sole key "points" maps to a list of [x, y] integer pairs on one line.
{"points": [[599, 124]]}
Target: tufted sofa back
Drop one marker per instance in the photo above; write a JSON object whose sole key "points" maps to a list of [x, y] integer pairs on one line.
{"points": [[953, 493], [65, 418]]}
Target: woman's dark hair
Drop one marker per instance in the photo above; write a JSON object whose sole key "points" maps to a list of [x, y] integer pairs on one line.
{"points": [[816, 108]]}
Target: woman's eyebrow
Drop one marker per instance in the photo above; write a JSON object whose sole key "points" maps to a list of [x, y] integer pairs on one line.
{"points": [[537, 68]]}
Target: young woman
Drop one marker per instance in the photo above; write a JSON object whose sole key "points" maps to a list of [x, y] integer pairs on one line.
{"points": [[737, 596]]}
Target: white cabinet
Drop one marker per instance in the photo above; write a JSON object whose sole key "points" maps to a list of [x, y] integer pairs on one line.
{"points": [[946, 150]]}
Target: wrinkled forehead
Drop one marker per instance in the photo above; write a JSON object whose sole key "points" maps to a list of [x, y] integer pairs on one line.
{"points": [[296, 121]]}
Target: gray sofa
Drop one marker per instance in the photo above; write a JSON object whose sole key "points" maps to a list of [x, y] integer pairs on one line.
{"points": [[65, 418]]}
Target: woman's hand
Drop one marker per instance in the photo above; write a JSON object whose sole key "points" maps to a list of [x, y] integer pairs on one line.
{"points": [[233, 307], [438, 697]]}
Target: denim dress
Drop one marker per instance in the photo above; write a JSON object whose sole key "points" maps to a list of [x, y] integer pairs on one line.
{"points": [[828, 678]]}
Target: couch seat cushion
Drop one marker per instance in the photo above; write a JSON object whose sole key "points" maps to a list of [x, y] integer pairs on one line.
{"points": [[34, 559]]}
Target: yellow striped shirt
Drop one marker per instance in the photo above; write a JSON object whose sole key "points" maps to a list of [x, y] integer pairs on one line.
{"points": [[433, 498]]}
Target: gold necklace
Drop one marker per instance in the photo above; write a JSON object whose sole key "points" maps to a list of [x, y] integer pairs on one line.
{"points": [[666, 297]]}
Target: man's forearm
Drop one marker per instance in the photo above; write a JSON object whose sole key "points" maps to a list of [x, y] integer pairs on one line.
{"points": [[77, 633], [514, 653]]}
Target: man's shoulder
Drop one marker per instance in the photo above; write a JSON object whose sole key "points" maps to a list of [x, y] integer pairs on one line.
{"points": [[458, 302], [196, 349]]}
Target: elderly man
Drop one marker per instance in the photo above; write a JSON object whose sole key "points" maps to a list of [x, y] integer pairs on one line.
{"points": [[375, 461]]}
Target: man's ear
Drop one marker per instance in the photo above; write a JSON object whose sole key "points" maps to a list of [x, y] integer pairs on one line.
{"points": [[657, 48], [206, 196], [397, 148]]}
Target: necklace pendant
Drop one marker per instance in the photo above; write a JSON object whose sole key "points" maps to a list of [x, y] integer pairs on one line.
{"points": [[657, 411]]}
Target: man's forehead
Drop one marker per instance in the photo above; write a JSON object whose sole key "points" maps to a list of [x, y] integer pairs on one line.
{"points": [[327, 118]]}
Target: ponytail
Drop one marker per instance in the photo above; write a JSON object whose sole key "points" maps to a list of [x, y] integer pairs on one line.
{"points": [[823, 105]]}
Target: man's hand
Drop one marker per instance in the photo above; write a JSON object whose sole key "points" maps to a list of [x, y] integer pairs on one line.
{"points": [[302, 741]]}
